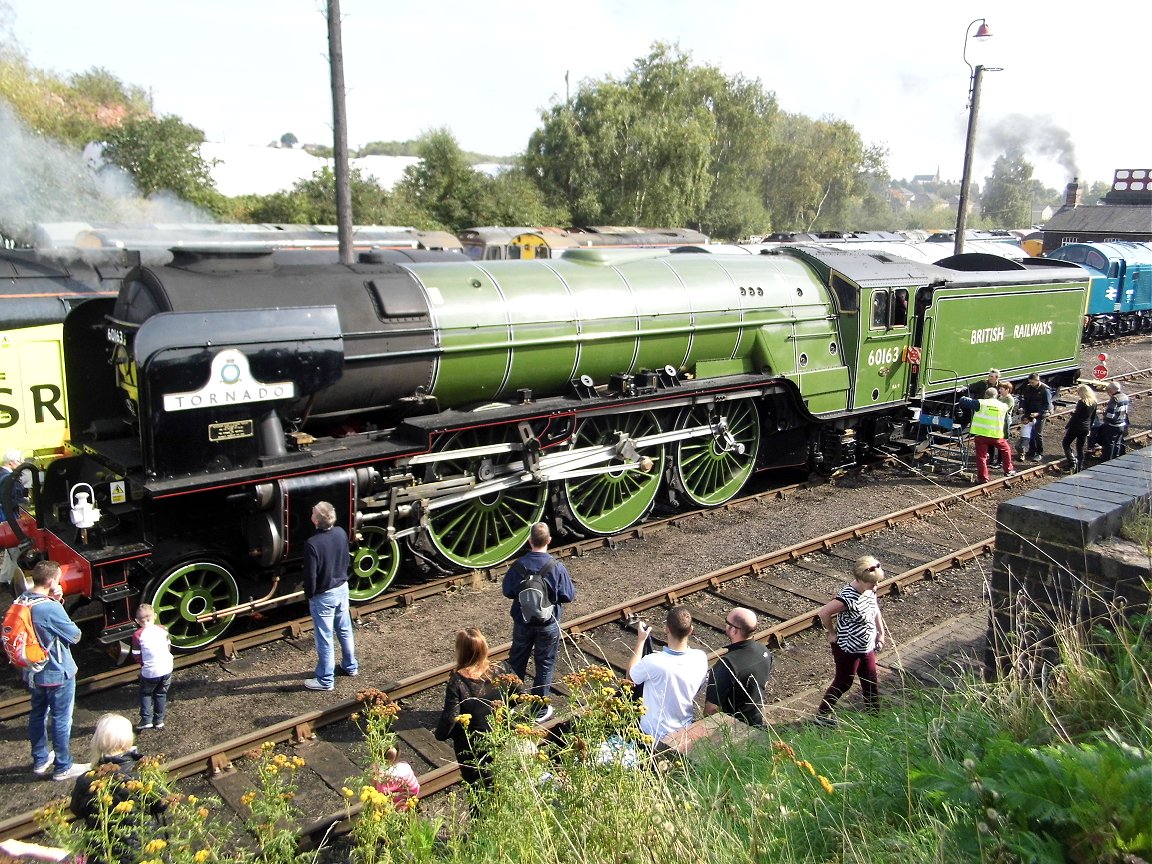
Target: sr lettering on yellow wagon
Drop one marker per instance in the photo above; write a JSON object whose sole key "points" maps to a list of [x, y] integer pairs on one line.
{"points": [[33, 399]]}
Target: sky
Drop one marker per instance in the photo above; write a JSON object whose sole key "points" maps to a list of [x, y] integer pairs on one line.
{"points": [[249, 71]]}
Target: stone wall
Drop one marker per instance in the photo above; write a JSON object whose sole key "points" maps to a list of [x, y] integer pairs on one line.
{"points": [[1060, 563]]}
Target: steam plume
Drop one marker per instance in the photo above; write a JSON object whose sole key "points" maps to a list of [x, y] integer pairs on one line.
{"points": [[1035, 136]]}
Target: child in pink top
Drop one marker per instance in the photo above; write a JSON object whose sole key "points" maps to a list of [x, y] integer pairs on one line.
{"points": [[399, 780]]}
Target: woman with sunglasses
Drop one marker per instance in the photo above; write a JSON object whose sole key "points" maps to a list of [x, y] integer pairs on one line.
{"points": [[855, 630]]}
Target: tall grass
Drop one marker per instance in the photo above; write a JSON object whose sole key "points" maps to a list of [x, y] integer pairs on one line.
{"points": [[1052, 771]]}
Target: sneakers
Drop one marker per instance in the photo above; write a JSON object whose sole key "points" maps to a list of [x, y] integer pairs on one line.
{"points": [[342, 671], [1037, 458], [158, 726], [41, 768], [313, 684], [140, 727], [77, 769], [546, 714], [1009, 473]]}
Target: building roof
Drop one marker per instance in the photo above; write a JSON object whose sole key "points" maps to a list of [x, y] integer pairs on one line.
{"points": [[1107, 218]]}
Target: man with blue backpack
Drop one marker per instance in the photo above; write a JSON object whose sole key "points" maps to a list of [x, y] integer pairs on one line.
{"points": [[538, 586]]}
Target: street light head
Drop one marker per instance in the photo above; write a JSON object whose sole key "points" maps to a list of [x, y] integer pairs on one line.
{"points": [[983, 32]]}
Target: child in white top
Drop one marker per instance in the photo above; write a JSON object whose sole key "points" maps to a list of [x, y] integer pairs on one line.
{"points": [[152, 649]]}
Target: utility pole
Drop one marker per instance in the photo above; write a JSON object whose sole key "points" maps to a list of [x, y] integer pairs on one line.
{"points": [[969, 145], [339, 134]]}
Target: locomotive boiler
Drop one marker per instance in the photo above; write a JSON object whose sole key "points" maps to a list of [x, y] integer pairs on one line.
{"points": [[445, 407]]}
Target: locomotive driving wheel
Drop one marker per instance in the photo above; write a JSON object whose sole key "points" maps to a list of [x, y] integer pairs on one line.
{"points": [[188, 590], [374, 564], [712, 469], [610, 502], [483, 530]]}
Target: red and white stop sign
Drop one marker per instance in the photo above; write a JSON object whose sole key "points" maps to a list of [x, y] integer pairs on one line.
{"points": [[1100, 372]]}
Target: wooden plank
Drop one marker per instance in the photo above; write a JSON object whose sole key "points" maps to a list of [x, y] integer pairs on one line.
{"points": [[762, 609], [713, 621], [232, 785], [793, 588], [618, 660], [438, 753], [329, 762]]}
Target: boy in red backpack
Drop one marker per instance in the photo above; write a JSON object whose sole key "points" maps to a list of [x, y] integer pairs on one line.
{"points": [[54, 686]]}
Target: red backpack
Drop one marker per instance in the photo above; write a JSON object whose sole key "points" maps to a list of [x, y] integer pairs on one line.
{"points": [[20, 641]]}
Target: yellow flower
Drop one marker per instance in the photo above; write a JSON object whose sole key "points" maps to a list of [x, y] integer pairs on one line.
{"points": [[464, 719], [154, 846], [201, 856], [202, 812], [124, 807], [247, 798], [346, 792]]}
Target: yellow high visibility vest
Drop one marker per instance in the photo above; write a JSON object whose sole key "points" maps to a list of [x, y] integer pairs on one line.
{"points": [[988, 422]]}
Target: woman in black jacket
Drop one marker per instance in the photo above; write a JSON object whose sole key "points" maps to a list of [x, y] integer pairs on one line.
{"points": [[130, 817], [470, 699], [1079, 425]]}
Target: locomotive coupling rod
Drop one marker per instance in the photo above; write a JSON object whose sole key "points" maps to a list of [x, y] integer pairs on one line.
{"points": [[265, 602]]}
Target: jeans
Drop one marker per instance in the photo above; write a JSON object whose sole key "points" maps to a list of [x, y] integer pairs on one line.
{"points": [[1036, 442], [540, 641], [52, 705], [847, 667], [153, 699], [330, 614]]}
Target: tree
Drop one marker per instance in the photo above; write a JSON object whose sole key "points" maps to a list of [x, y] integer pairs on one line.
{"points": [[1007, 199], [633, 152], [164, 154], [443, 184], [288, 140], [313, 202], [816, 168]]}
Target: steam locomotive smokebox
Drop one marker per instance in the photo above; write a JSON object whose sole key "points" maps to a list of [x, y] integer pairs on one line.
{"points": [[1060, 563]]}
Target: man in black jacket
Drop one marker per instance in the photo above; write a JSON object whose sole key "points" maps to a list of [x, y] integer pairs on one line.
{"points": [[1035, 405], [736, 682]]}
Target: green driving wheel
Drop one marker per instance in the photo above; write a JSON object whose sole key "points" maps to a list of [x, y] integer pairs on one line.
{"points": [[483, 530], [610, 502], [709, 471], [374, 564], [189, 590]]}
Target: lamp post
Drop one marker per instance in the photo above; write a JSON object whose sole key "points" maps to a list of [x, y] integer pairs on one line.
{"points": [[977, 75]]}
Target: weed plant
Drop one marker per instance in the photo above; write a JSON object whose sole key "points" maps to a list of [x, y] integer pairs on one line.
{"points": [[1020, 771]]}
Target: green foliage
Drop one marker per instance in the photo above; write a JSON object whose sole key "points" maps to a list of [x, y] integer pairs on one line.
{"points": [[443, 184], [1007, 198], [313, 202], [163, 154], [272, 812], [1045, 803], [634, 152], [288, 139], [1137, 527], [74, 112]]}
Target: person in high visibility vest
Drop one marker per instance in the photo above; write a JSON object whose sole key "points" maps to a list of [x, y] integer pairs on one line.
{"points": [[988, 419]]}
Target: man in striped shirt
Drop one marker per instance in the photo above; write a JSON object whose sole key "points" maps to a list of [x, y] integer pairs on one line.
{"points": [[856, 633]]}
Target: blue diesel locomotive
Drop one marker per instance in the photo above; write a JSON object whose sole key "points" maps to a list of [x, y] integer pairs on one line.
{"points": [[1120, 296]]}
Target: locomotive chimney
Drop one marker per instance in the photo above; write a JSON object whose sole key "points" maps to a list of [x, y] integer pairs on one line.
{"points": [[1072, 193]]}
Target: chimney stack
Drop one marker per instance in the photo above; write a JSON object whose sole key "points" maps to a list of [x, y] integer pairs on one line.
{"points": [[1072, 193]]}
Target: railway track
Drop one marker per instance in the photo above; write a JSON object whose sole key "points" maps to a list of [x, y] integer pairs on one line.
{"points": [[785, 586], [216, 759]]}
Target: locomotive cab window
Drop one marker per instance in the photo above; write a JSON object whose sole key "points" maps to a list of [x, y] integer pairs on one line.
{"points": [[900, 307], [879, 309]]}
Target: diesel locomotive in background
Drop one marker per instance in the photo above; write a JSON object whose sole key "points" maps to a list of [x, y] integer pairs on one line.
{"points": [[445, 407]]}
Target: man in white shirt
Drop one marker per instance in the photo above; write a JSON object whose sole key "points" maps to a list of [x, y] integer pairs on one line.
{"points": [[671, 678]]}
